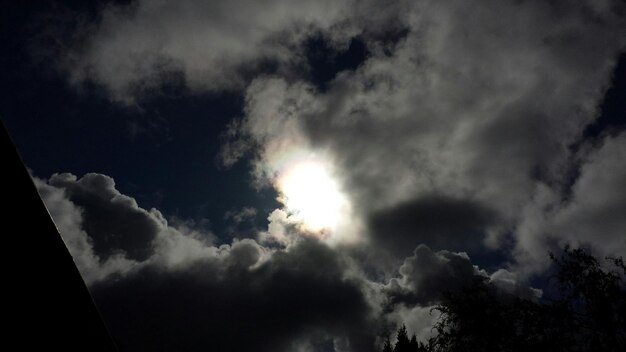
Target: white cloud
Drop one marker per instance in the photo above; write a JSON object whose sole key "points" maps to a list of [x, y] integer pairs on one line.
{"points": [[478, 103], [592, 215], [475, 103], [140, 46], [81, 226], [419, 321], [595, 213]]}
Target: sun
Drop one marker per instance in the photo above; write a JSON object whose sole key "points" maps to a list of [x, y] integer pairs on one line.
{"points": [[311, 196]]}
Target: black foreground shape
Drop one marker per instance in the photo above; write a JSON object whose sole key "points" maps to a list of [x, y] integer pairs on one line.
{"points": [[46, 302]]}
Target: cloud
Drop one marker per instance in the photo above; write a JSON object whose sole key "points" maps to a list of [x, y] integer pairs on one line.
{"points": [[293, 295], [427, 275], [590, 216], [135, 49], [185, 293], [109, 235], [438, 222], [511, 283], [69, 220], [419, 321], [241, 223], [189, 294], [594, 214], [479, 105], [213, 45], [114, 221], [242, 215], [455, 131]]}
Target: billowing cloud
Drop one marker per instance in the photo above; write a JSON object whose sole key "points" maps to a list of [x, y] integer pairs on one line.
{"points": [[114, 221], [427, 275], [184, 293], [69, 220], [108, 234], [479, 105], [188, 294], [226, 305]]}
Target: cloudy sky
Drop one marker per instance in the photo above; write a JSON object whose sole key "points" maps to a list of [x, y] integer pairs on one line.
{"points": [[308, 175]]}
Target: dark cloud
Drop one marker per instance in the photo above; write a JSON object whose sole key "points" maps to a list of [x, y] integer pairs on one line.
{"points": [[427, 275], [437, 221], [190, 295], [186, 294], [113, 221], [229, 306], [510, 283]]}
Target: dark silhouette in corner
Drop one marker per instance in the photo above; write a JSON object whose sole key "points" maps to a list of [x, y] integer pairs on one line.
{"points": [[46, 302], [588, 313]]}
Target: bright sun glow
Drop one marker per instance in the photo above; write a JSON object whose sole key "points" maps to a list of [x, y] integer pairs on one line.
{"points": [[312, 196]]}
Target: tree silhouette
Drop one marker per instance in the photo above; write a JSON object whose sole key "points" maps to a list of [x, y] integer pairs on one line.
{"points": [[588, 313], [402, 344], [594, 298], [413, 345], [387, 347]]}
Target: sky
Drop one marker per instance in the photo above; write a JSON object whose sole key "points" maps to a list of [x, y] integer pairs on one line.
{"points": [[310, 175]]}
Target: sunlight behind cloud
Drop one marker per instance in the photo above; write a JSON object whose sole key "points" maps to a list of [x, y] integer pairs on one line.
{"points": [[312, 197]]}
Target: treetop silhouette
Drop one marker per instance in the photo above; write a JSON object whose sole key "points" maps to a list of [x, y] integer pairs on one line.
{"points": [[588, 313]]}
